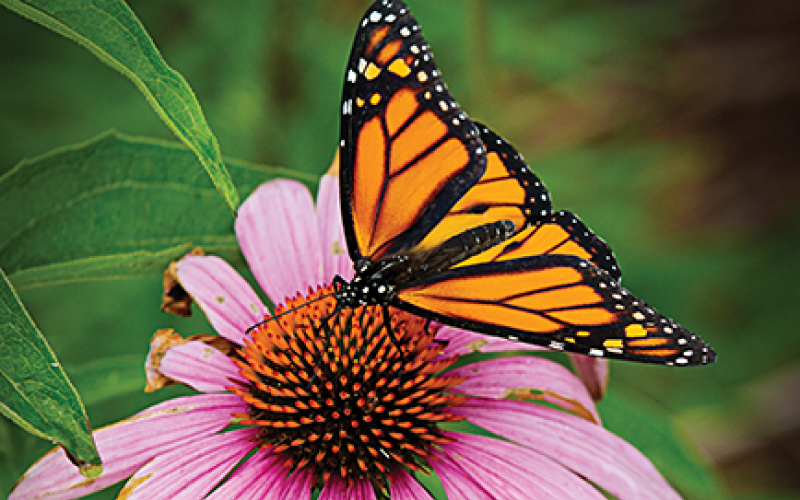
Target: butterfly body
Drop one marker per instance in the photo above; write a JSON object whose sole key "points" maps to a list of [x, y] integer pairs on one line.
{"points": [[375, 282], [443, 218]]}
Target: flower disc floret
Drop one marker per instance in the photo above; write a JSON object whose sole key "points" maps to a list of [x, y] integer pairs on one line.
{"points": [[337, 391]]}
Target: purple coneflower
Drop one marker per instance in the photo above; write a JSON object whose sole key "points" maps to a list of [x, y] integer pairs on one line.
{"points": [[336, 403]]}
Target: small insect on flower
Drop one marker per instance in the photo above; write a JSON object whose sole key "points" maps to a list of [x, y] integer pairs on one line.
{"points": [[444, 219]]}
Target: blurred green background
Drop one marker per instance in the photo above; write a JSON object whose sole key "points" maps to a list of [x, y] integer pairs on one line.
{"points": [[671, 127]]}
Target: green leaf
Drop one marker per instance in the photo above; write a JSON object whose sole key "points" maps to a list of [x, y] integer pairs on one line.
{"points": [[113, 207], [651, 431], [35, 392], [113, 33]]}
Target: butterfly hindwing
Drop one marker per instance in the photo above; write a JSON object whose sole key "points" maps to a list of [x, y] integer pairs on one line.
{"points": [[408, 151], [561, 302], [507, 190], [562, 233], [509, 183]]}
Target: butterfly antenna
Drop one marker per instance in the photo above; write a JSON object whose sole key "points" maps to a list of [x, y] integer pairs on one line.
{"points": [[271, 318]]}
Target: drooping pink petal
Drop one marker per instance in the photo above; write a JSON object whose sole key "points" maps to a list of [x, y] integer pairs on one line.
{"points": [[586, 448], [405, 487], [296, 485], [224, 296], [526, 377], [199, 366], [190, 472], [248, 482], [335, 260], [461, 342], [278, 234], [263, 477], [593, 371], [456, 482], [509, 471], [338, 489], [126, 446]]}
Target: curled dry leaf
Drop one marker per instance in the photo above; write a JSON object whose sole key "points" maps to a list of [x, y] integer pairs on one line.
{"points": [[164, 340], [175, 299], [161, 342]]}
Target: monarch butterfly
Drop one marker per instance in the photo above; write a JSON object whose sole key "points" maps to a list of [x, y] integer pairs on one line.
{"points": [[444, 219]]}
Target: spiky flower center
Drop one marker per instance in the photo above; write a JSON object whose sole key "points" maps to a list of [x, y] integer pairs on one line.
{"points": [[342, 393]]}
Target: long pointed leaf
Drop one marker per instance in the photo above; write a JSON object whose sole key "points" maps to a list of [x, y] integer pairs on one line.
{"points": [[113, 207], [34, 390], [113, 33]]}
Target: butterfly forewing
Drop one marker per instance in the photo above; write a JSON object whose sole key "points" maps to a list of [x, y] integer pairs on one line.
{"points": [[410, 152]]}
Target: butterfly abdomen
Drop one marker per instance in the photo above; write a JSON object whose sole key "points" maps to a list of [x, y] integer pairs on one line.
{"points": [[419, 265]]}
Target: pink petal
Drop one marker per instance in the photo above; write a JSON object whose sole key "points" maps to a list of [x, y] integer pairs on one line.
{"points": [[191, 471], [199, 366], [128, 445], [457, 483], [335, 260], [526, 376], [251, 481], [586, 448], [296, 486], [277, 230], [593, 372], [509, 471], [224, 296], [338, 489], [461, 342], [263, 477], [405, 487]]}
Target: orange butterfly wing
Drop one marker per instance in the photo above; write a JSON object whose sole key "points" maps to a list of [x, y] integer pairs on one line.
{"points": [[560, 301], [416, 170], [507, 190], [409, 152], [562, 233]]}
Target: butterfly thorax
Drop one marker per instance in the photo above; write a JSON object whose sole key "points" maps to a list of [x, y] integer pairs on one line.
{"points": [[375, 281], [367, 288]]}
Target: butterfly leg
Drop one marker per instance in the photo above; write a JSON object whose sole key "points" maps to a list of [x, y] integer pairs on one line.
{"points": [[387, 323]]}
